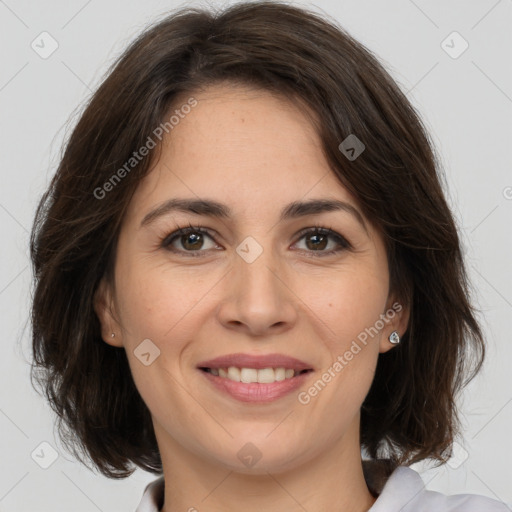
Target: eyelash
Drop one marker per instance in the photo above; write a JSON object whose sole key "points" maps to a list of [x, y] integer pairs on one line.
{"points": [[343, 244]]}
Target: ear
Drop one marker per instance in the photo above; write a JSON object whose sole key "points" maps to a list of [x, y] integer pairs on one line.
{"points": [[104, 307], [395, 318]]}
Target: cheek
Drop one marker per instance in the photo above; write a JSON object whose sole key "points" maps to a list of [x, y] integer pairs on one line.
{"points": [[155, 302], [349, 305]]}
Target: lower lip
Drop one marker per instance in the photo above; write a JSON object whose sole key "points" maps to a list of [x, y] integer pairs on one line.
{"points": [[254, 391]]}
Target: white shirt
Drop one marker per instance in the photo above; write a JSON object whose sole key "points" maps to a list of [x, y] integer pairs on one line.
{"points": [[404, 491]]}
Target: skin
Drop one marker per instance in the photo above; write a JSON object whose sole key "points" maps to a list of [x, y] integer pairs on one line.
{"points": [[256, 153]]}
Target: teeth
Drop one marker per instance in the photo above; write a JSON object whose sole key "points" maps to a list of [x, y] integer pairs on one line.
{"points": [[280, 374], [234, 373], [248, 375]]}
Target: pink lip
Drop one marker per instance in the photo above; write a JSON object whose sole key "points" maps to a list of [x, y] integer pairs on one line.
{"points": [[256, 361], [254, 391]]}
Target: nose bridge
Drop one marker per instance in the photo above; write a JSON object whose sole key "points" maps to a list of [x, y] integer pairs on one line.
{"points": [[256, 267], [259, 298]]}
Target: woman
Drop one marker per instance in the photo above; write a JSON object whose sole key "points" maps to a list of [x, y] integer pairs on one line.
{"points": [[248, 278]]}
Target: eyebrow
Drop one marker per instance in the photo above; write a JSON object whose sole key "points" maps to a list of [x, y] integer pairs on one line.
{"points": [[215, 209]]}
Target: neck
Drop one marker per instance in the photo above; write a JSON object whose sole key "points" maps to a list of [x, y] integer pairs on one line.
{"points": [[333, 480]]}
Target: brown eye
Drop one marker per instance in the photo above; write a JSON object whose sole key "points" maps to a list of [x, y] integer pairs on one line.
{"points": [[189, 240], [318, 239], [192, 241]]}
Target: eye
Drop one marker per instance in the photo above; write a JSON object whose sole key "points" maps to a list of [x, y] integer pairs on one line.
{"points": [[191, 240], [317, 239]]}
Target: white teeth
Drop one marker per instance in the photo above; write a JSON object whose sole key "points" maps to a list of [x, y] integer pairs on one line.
{"points": [[266, 375], [280, 374], [248, 375], [234, 373]]}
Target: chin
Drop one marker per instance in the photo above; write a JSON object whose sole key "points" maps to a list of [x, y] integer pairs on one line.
{"points": [[260, 457]]}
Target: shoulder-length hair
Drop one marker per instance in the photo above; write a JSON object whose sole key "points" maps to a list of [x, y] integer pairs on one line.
{"points": [[410, 412]]}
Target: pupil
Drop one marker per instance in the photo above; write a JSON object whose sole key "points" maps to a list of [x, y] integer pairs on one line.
{"points": [[317, 245], [195, 238]]}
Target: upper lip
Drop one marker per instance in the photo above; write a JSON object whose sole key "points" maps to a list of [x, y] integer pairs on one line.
{"points": [[256, 361]]}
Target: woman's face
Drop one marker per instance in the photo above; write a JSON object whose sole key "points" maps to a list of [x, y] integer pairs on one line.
{"points": [[256, 280]]}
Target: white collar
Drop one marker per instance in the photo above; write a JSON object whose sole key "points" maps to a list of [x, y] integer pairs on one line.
{"points": [[403, 491]]}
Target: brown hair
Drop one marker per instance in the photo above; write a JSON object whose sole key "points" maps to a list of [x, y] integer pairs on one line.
{"points": [[410, 412]]}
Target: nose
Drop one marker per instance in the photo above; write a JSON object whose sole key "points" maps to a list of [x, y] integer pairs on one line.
{"points": [[257, 299]]}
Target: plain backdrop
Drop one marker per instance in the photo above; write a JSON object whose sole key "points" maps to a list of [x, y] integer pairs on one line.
{"points": [[465, 100]]}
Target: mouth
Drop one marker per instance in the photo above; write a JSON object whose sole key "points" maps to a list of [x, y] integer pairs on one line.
{"points": [[255, 378], [250, 368], [253, 375], [255, 385]]}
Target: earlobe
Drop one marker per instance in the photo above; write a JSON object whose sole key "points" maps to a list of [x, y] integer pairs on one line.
{"points": [[102, 303], [395, 328]]}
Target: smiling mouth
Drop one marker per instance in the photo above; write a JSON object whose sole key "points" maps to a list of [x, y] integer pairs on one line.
{"points": [[254, 375]]}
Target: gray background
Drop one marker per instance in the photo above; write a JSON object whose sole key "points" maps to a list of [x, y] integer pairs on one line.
{"points": [[466, 104]]}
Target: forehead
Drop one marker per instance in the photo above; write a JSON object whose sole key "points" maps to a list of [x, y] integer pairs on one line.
{"points": [[246, 147]]}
